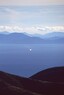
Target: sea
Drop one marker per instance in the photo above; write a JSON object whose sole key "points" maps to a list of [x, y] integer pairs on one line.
{"points": [[28, 59]]}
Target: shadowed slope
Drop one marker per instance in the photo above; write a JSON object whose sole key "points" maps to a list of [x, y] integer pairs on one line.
{"points": [[55, 74], [15, 85]]}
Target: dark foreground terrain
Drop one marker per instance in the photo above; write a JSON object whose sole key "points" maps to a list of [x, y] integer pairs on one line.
{"points": [[47, 82]]}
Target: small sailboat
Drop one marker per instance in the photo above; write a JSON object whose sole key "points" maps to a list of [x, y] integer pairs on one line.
{"points": [[30, 49]]}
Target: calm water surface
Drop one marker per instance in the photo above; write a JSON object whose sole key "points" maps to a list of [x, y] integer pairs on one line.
{"points": [[19, 60]]}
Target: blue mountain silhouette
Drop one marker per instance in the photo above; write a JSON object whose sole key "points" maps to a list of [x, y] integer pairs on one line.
{"points": [[22, 38]]}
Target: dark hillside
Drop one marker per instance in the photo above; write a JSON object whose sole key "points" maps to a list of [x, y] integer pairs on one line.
{"points": [[14, 85]]}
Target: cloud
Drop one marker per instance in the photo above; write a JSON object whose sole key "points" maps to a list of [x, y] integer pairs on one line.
{"points": [[33, 29], [39, 19]]}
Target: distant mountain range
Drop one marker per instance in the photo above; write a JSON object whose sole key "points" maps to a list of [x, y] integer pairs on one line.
{"points": [[19, 38], [48, 35], [54, 34], [23, 38], [47, 82]]}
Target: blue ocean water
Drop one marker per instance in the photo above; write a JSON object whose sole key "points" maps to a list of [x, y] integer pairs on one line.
{"points": [[18, 59]]}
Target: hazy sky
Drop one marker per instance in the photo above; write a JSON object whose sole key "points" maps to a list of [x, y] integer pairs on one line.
{"points": [[30, 2], [33, 16]]}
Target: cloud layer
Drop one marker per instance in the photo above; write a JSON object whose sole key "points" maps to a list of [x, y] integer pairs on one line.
{"points": [[32, 19], [32, 30]]}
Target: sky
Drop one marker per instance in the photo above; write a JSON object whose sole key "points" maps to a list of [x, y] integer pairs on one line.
{"points": [[32, 16], [31, 2]]}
